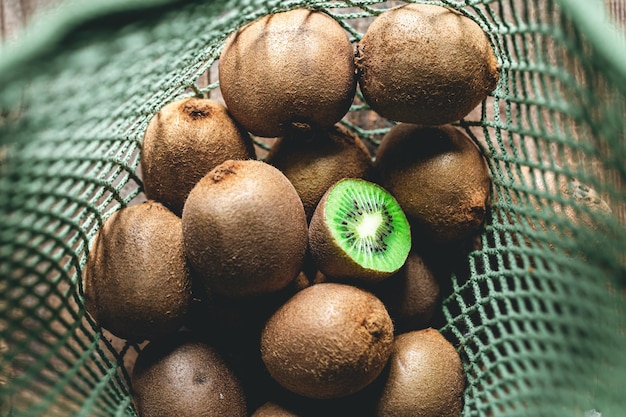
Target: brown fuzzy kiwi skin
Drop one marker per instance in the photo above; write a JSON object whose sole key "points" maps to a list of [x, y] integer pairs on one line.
{"points": [[440, 178], [288, 70], [412, 295], [425, 377], [328, 341], [136, 281], [313, 161], [183, 142], [425, 64], [272, 409], [185, 376], [244, 230]]}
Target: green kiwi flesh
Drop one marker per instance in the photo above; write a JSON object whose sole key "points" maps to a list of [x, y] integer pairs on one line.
{"points": [[136, 281], [185, 376], [440, 178], [328, 341], [183, 142], [425, 377], [286, 71], [313, 161], [244, 230], [425, 64], [358, 231]]}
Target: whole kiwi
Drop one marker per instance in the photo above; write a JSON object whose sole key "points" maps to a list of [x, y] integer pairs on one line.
{"points": [[412, 294], [313, 161], [183, 142], [425, 377], [185, 376], [425, 64], [329, 340], [136, 281], [439, 176], [273, 409], [288, 70], [244, 230]]}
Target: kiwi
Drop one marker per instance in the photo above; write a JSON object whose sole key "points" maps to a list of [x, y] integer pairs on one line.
{"points": [[412, 294], [425, 64], [183, 142], [272, 409], [244, 230], [425, 377], [136, 281], [440, 178], [288, 70], [359, 232], [185, 376], [328, 341], [315, 161]]}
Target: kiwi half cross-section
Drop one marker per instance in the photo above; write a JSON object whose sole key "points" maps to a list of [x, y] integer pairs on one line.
{"points": [[358, 231], [288, 70], [244, 230]]}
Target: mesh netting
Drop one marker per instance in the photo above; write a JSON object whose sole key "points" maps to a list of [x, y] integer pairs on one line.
{"points": [[537, 309]]}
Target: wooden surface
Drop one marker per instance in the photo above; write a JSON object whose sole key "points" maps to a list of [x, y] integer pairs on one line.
{"points": [[14, 14]]}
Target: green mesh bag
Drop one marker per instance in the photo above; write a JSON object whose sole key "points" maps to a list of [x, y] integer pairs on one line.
{"points": [[537, 310]]}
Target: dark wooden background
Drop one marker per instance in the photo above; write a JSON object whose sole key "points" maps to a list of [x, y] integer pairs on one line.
{"points": [[14, 14]]}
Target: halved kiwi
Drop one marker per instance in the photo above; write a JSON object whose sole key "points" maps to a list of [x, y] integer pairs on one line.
{"points": [[425, 64], [358, 231], [288, 70]]}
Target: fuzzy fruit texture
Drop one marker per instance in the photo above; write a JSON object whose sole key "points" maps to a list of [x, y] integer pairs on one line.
{"points": [[412, 294], [136, 281], [425, 64], [328, 341], [244, 229], [185, 376], [315, 161], [184, 141], [288, 70], [272, 409], [440, 178], [425, 378]]}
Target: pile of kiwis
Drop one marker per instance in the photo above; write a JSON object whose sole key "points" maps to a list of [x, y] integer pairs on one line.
{"points": [[304, 283]]}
